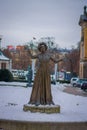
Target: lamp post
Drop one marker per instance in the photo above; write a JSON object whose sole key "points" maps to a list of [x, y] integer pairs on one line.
{"points": [[56, 71], [33, 60], [29, 76], [55, 66]]}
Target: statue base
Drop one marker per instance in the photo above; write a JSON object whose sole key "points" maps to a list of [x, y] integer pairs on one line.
{"points": [[42, 108]]}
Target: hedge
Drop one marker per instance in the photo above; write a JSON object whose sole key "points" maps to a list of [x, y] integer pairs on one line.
{"points": [[6, 75]]}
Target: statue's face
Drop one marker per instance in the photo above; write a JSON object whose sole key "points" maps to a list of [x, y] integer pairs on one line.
{"points": [[42, 49]]}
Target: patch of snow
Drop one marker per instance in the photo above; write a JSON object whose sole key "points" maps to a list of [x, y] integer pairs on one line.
{"points": [[2, 57], [73, 108]]}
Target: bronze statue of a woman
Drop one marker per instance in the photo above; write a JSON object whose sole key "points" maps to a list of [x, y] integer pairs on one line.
{"points": [[41, 91]]}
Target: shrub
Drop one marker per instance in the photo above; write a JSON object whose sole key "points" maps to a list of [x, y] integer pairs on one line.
{"points": [[63, 81], [6, 75]]}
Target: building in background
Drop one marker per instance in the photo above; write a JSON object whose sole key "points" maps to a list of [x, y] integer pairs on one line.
{"points": [[83, 45], [10, 47], [5, 63]]}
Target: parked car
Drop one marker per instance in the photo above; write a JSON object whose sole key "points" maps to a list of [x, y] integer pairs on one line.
{"points": [[74, 80], [79, 83], [84, 86]]}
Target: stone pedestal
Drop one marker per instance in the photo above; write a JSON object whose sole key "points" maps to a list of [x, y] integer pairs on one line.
{"points": [[42, 108]]}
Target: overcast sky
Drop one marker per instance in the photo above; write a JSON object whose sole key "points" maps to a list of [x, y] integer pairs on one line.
{"points": [[21, 20]]}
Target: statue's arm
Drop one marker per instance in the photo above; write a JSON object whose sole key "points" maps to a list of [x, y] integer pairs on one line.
{"points": [[31, 55]]}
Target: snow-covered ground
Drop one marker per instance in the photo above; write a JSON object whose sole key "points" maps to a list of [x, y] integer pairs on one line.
{"points": [[12, 99]]}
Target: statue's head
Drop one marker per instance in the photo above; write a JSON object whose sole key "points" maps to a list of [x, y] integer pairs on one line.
{"points": [[42, 46]]}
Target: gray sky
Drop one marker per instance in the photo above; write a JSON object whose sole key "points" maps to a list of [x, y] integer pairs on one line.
{"points": [[21, 20]]}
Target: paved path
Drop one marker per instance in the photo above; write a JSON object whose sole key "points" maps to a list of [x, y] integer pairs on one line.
{"points": [[75, 91]]}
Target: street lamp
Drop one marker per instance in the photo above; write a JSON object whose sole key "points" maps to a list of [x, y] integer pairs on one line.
{"points": [[33, 60]]}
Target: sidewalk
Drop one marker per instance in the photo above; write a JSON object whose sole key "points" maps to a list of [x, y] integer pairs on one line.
{"points": [[75, 91], [68, 89]]}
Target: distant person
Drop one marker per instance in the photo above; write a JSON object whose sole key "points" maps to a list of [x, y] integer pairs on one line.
{"points": [[41, 91]]}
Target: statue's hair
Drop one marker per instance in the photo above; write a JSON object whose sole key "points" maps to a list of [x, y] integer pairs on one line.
{"points": [[42, 44]]}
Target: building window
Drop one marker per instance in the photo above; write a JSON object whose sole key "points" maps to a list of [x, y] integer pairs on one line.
{"points": [[3, 65]]}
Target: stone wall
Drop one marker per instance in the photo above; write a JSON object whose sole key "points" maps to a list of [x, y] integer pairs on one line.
{"points": [[22, 125]]}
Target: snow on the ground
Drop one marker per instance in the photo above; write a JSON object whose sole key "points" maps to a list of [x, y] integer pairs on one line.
{"points": [[73, 108]]}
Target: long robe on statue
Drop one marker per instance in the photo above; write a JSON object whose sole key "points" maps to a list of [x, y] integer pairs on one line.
{"points": [[41, 91]]}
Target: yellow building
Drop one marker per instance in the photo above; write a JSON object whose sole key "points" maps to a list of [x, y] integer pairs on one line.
{"points": [[83, 45]]}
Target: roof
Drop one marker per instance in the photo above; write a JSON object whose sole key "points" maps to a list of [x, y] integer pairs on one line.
{"points": [[83, 18], [2, 57]]}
